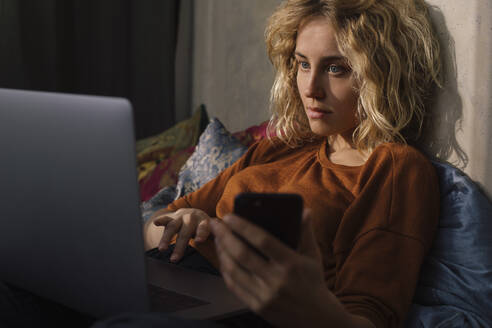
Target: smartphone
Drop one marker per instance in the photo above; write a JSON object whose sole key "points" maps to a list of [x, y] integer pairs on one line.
{"points": [[278, 213]]}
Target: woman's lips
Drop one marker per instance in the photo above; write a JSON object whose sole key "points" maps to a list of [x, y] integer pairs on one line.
{"points": [[315, 112]]}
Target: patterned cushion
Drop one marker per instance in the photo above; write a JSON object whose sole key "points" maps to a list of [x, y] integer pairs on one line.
{"points": [[160, 200], [160, 157], [165, 173], [455, 285], [252, 134], [181, 136], [217, 149]]}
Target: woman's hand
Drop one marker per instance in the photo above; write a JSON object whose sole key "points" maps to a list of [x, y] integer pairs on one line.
{"points": [[187, 223], [285, 287]]}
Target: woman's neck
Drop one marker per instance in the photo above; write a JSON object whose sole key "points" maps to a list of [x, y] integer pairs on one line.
{"points": [[341, 150]]}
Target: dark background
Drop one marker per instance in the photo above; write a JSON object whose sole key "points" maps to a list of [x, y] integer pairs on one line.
{"points": [[123, 48]]}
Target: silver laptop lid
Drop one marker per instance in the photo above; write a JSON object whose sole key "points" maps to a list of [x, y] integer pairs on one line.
{"points": [[68, 166]]}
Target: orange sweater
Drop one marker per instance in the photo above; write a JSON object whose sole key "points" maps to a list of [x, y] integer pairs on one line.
{"points": [[374, 223]]}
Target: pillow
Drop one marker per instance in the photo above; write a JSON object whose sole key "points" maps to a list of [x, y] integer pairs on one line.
{"points": [[217, 149], [455, 284], [145, 169], [152, 150], [165, 173], [160, 200], [252, 134]]}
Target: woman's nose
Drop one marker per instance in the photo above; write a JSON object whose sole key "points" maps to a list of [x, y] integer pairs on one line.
{"points": [[314, 88]]}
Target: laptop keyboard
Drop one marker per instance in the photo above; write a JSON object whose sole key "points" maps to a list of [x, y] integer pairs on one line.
{"points": [[164, 300]]}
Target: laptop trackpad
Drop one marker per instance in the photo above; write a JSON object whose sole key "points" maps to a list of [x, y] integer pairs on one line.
{"points": [[166, 301], [190, 294]]}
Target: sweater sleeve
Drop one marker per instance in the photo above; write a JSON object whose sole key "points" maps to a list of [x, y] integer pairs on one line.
{"points": [[384, 235], [207, 197]]}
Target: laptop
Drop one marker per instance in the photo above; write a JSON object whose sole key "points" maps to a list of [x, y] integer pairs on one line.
{"points": [[70, 227]]}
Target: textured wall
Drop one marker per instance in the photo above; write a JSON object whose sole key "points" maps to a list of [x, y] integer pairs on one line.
{"points": [[232, 75], [463, 128]]}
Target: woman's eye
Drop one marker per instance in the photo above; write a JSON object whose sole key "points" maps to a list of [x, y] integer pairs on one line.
{"points": [[335, 69], [304, 65]]}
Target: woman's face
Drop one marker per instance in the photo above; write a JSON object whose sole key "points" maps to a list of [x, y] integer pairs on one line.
{"points": [[324, 80]]}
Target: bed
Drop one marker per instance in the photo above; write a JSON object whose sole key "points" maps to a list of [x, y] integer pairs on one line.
{"points": [[455, 284]]}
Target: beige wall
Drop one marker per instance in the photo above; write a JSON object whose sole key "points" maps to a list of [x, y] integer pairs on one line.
{"points": [[232, 76], [465, 106]]}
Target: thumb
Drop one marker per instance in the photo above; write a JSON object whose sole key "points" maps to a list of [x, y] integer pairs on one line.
{"points": [[308, 244]]}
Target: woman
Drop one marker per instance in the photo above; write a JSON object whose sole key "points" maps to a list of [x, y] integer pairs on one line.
{"points": [[353, 79]]}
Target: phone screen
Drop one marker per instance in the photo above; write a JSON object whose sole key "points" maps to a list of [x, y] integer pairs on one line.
{"points": [[278, 213]]}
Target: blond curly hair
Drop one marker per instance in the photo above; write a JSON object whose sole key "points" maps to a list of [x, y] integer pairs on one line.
{"points": [[392, 50]]}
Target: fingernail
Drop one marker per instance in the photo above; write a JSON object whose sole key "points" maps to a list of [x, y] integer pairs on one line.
{"points": [[198, 239], [174, 258], [227, 217]]}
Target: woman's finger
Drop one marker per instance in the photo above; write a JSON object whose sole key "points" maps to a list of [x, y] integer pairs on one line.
{"points": [[242, 293], [240, 252], [186, 231], [247, 287], [202, 231], [172, 228], [259, 238], [237, 272], [163, 219]]}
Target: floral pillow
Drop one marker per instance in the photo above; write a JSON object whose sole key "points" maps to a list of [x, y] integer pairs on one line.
{"points": [[217, 149], [165, 173], [252, 134], [151, 151], [160, 200]]}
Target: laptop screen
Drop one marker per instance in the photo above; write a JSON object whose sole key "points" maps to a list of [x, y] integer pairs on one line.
{"points": [[70, 205]]}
